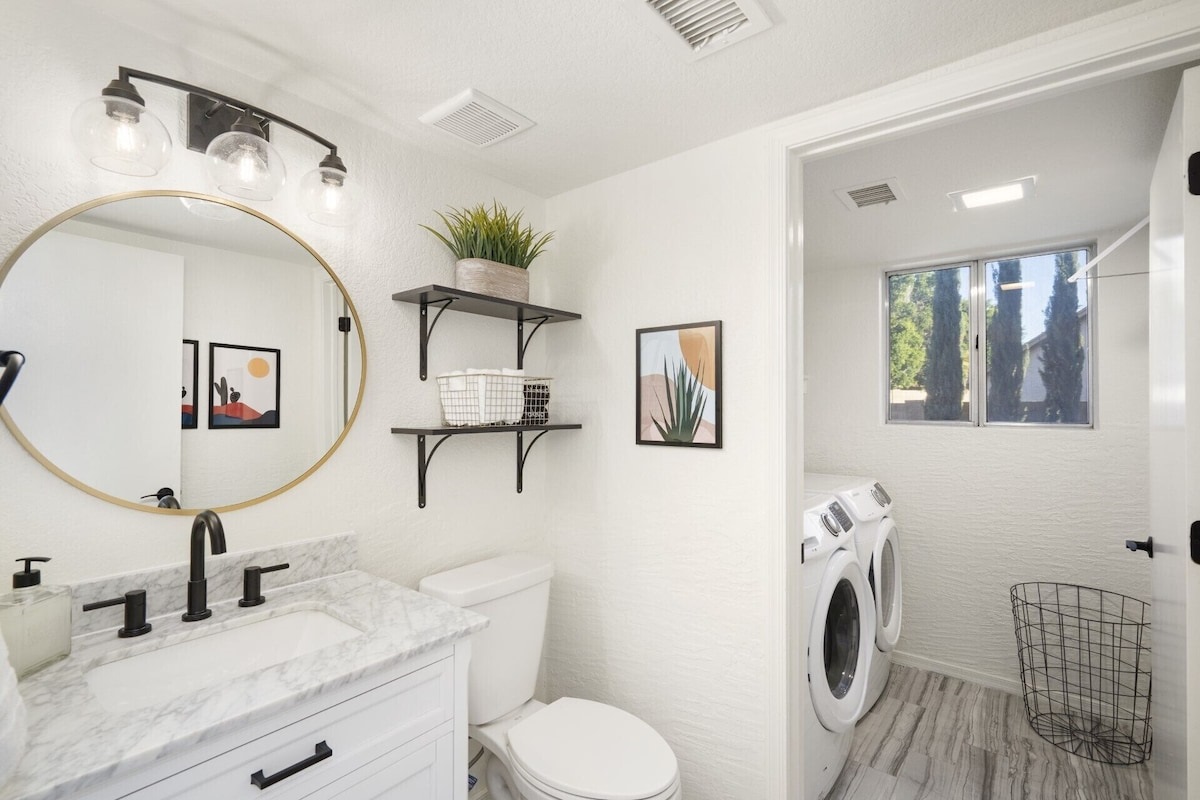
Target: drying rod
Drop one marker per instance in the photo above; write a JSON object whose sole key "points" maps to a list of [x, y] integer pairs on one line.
{"points": [[1079, 273]]}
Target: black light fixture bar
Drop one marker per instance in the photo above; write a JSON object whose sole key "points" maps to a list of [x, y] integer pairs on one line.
{"points": [[126, 74]]}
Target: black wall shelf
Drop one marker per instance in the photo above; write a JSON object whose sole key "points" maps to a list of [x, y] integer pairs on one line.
{"points": [[423, 458], [442, 298]]}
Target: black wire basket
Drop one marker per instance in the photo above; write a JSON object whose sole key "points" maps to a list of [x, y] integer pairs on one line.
{"points": [[1085, 669]]}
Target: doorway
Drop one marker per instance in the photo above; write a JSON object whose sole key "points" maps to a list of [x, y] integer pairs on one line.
{"points": [[1087, 58], [989, 497]]}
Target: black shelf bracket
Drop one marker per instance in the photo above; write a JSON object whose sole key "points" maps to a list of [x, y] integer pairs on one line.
{"points": [[522, 454], [523, 340], [484, 305], [423, 464], [427, 328], [424, 456]]}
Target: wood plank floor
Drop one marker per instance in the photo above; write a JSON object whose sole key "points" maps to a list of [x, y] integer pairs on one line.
{"points": [[931, 737]]}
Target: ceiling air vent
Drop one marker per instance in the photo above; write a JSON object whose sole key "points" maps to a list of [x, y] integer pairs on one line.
{"points": [[870, 194], [476, 118], [703, 27]]}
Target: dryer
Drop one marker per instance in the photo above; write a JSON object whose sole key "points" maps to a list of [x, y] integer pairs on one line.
{"points": [[838, 640], [878, 544]]}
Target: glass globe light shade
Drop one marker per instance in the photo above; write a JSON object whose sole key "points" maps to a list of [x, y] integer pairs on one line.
{"points": [[244, 164], [327, 196], [120, 135], [209, 210]]}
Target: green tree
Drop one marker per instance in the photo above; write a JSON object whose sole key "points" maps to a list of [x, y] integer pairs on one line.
{"points": [[1062, 350], [943, 358], [1005, 353], [909, 303]]}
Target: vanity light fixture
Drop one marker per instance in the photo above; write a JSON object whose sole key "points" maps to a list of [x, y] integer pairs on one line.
{"points": [[117, 132], [993, 195]]}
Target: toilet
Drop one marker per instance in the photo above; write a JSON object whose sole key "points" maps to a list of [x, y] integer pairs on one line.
{"points": [[571, 749]]}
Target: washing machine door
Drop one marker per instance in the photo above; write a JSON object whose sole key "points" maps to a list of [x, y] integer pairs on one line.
{"points": [[839, 643], [885, 573]]}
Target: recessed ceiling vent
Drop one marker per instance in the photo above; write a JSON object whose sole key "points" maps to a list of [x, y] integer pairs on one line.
{"points": [[703, 27], [476, 118], [870, 194]]}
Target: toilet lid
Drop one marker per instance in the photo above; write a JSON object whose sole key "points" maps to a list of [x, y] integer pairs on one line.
{"points": [[593, 750]]}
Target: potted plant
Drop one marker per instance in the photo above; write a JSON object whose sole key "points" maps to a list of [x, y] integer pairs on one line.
{"points": [[493, 250]]}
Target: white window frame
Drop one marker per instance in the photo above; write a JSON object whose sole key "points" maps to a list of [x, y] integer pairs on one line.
{"points": [[977, 332]]}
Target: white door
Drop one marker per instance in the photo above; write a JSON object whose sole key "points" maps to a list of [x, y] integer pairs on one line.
{"points": [[101, 327], [840, 642], [889, 597], [1175, 450]]}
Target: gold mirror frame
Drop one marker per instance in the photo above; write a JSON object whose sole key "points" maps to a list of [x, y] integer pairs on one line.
{"points": [[50, 225]]}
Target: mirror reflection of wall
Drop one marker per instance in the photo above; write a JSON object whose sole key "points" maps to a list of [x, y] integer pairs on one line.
{"points": [[101, 305]]}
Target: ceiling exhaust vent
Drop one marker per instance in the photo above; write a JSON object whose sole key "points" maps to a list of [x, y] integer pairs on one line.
{"points": [[476, 118], [702, 27], [870, 194]]}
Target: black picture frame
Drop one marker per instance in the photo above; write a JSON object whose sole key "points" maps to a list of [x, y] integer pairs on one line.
{"points": [[673, 351], [253, 368], [190, 411]]}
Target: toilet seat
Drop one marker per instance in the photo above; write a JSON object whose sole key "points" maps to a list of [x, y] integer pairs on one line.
{"points": [[569, 749], [532, 789]]}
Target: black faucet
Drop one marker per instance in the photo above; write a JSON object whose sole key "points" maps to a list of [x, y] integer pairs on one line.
{"points": [[10, 364], [165, 496], [197, 588]]}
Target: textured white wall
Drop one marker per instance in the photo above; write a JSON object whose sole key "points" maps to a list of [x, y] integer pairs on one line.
{"points": [[980, 509], [55, 56], [660, 603]]}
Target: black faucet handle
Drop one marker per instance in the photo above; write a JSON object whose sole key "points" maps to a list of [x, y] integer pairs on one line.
{"points": [[252, 584], [135, 612]]}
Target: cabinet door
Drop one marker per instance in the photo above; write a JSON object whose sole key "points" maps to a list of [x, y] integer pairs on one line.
{"points": [[427, 774], [416, 708]]}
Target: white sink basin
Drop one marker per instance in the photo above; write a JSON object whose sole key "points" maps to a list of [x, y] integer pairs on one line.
{"points": [[154, 677]]}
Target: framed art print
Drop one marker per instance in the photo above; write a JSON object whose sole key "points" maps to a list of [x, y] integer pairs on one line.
{"points": [[679, 385], [191, 378], [243, 386]]}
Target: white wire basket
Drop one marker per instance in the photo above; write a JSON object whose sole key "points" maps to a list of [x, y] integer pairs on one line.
{"points": [[493, 397]]}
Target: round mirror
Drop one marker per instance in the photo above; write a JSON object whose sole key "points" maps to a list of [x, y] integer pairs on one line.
{"points": [[178, 343]]}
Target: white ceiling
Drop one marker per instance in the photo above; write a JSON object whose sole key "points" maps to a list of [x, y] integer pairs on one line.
{"points": [[1093, 153], [201, 223], [606, 91]]}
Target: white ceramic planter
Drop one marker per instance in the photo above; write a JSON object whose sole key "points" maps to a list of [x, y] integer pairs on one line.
{"points": [[491, 278]]}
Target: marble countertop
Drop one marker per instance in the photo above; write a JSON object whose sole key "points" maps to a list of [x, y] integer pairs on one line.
{"points": [[76, 745]]}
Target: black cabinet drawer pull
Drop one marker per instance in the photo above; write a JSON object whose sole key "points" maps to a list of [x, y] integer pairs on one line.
{"points": [[324, 751]]}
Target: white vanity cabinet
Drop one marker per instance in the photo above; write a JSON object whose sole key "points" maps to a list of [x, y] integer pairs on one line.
{"points": [[398, 734]]}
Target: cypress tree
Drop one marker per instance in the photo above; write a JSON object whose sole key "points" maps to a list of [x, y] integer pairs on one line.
{"points": [[1005, 355], [943, 358], [1062, 351]]}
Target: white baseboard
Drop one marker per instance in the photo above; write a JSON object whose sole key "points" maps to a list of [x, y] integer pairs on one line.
{"points": [[954, 671]]}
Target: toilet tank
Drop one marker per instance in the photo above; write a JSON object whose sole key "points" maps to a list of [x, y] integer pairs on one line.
{"points": [[513, 593]]}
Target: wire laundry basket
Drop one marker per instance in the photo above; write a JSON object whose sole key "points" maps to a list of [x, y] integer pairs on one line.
{"points": [[1085, 669]]}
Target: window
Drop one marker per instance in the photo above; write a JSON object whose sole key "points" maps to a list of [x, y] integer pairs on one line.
{"points": [[1013, 325]]}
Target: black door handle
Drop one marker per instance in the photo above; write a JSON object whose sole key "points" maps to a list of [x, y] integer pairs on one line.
{"points": [[1196, 541], [1147, 545], [323, 751]]}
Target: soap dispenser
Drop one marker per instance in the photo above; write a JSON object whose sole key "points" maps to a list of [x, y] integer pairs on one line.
{"points": [[35, 620]]}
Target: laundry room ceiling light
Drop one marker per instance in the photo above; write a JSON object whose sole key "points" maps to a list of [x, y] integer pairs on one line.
{"points": [[994, 195], [117, 132]]}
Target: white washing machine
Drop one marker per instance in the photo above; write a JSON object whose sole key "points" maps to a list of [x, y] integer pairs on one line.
{"points": [[878, 543], [837, 642]]}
